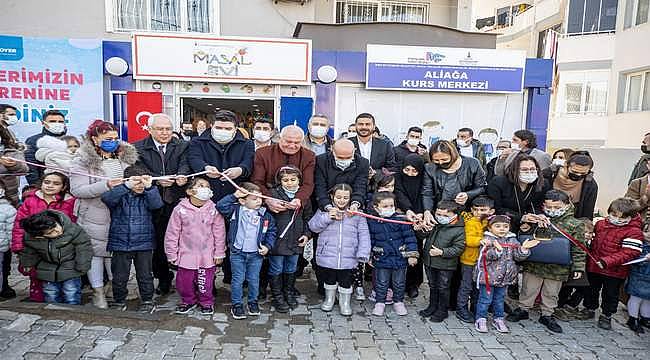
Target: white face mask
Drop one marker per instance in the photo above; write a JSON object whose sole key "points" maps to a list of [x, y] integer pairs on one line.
{"points": [[56, 128], [222, 136], [343, 164], [11, 120], [413, 142], [203, 193], [351, 134], [461, 143], [386, 213], [515, 146], [559, 162], [318, 131], [527, 178], [262, 136]]}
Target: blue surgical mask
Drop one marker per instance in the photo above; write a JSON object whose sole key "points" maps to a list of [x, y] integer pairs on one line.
{"points": [[618, 221], [109, 145], [444, 220], [290, 193], [386, 213]]}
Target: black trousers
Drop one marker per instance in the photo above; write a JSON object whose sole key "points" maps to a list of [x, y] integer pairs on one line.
{"points": [[439, 283], [6, 268], [608, 288], [415, 274], [160, 265], [572, 296], [121, 268], [343, 277], [454, 287]]}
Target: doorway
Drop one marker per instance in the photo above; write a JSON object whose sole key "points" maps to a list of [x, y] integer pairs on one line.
{"points": [[246, 109]]}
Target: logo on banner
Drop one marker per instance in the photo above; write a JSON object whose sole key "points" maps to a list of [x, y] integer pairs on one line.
{"points": [[221, 60], [434, 57], [468, 60], [11, 48]]}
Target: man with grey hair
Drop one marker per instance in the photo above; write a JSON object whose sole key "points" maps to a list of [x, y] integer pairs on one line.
{"points": [[162, 154], [317, 139]]}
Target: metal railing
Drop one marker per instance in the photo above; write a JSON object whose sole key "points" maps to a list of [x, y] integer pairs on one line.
{"points": [[363, 11]]}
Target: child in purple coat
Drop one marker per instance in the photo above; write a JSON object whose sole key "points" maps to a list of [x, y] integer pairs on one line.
{"points": [[343, 243]]}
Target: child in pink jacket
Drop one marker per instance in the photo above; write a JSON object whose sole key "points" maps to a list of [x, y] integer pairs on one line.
{"points": [[195, 242]]}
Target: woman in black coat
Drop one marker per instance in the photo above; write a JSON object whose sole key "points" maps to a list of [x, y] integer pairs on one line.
{"points": [[576, 179]]}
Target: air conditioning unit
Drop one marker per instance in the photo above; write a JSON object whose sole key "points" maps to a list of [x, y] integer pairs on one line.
{"points": [[301, 2]]}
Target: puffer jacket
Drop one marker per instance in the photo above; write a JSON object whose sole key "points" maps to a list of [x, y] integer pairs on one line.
{"points": [[614, 246], [287, 245], [53, 152], [501, 266], [131, 218], [638, 282], [65, 257], [92, 214], [229, 207], [11, 183], [195, 235], [7, 216], [575, 228], [342, 244], [474, 229], [392, 244], [451, 240], [470, 177], [33, 203]]}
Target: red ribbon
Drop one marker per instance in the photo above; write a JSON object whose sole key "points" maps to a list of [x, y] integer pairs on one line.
{"points": [[575, 241], [484, 251]]}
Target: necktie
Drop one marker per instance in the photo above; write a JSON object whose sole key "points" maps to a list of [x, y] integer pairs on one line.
{"points": [[161, 151]]}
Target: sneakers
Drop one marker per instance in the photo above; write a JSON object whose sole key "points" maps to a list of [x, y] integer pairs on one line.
{"points": [[183, 309], [500, 325], [481, 325], [118, 306], [206, 310], [517, 315], [372, 297], [585, 314], [147, 307], [379, 309], [605, 322], [359, 294], [564, 314], [400, 309], [237, 312], [550, 324], [439, 316], [253, 309], [464, 315]]}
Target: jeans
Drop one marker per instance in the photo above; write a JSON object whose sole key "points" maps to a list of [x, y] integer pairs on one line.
{"points": [[439, 284], [610, 289], [280, 264], [2, 256], [245, 266], [121, 269], [467, 290], [393, 278], [496, 298], [67, 292]]}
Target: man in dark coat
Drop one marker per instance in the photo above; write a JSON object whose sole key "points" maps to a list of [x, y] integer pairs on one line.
{"points": [[53, 125], [379, 152], [162, 154], [412, 145]]}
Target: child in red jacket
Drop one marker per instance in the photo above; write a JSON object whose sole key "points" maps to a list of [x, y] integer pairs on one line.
{"points": [[617, 240], [51, 194]]}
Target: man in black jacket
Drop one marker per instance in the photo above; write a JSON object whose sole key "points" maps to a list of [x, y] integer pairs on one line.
{"points": [[53, 125], [162, 154], [379, 152], [412, 145]]}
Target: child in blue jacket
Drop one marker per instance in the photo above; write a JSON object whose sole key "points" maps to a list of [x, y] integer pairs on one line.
{"points": [[251, 234], [394, 247]]}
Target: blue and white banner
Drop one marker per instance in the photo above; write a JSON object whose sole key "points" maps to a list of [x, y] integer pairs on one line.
{"points": [[391, 67]]}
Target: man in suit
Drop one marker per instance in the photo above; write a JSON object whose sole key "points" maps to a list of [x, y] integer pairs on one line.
{"points": [[162, 154], [379, 152]]}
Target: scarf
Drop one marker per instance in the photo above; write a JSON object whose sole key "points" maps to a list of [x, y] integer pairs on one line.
{"points": [[411, 186], [572, 188]]}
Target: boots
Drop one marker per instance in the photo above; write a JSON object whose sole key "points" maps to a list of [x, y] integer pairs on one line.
{"points": [[644, 321], [277, 295], [330, 297], [345, 296], [264, 284], [99, 298], [288, 289], [431, 309], [635, 325]]}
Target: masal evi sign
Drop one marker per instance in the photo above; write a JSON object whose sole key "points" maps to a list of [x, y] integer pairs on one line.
{"points": [[444, 69], [215, 59]]}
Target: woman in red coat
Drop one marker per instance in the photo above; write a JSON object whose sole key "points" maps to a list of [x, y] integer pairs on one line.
{"points": [[52, 194], [617, 240]]}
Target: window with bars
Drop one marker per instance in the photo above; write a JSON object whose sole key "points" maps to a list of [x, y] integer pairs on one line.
{"points": [[362, 11], [162, 15], [637, 91], [588, 97]]}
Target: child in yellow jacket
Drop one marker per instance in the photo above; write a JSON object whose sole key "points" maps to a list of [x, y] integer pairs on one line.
{"points": [[475, 225]]}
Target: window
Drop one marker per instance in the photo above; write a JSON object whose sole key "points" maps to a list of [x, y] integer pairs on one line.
{"points": [[637, 12], [361, 11], [591, 16], [162, 15], [637, 92], [584, 92]]}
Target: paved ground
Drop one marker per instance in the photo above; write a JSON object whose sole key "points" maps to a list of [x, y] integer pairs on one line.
{"points": [[37, 331]]}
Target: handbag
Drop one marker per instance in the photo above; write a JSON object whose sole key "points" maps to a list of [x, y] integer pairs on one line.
{"points": [[550, 250]]}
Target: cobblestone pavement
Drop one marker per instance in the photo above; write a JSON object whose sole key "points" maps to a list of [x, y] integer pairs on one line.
{"points": [[37, 331]]}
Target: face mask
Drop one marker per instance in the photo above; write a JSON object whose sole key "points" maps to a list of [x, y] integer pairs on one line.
{"points": [[56, 128], [645, 149], [386, 213], [222, 136], [343, 164], [444, 220], [109, 145], [461, 142], [290, 193], [351, 134], [515, 146], [498, 152], [203, 193], [446, 165], [187, 132], [559, 162], [11, 120], [618, 221], [527, 178], [576, 177], [413, 142], [318, 131], [262, 135], [555, 213]]}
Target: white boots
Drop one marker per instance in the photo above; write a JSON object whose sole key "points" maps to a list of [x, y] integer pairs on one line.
{"points": [[345, 297], [99, 298], [330, 297]]}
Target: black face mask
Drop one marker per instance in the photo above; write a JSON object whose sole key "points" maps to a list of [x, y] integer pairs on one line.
{"points": [[576, 177], [446, 165], [645, 149], [188, 132]]}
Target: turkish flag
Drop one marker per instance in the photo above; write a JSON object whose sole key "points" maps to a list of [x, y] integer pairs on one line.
{"points": [[139, 107]]}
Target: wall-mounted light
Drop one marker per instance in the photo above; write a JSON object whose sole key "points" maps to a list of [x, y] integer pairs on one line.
{"points": [[116, 66], [327, 74]]}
